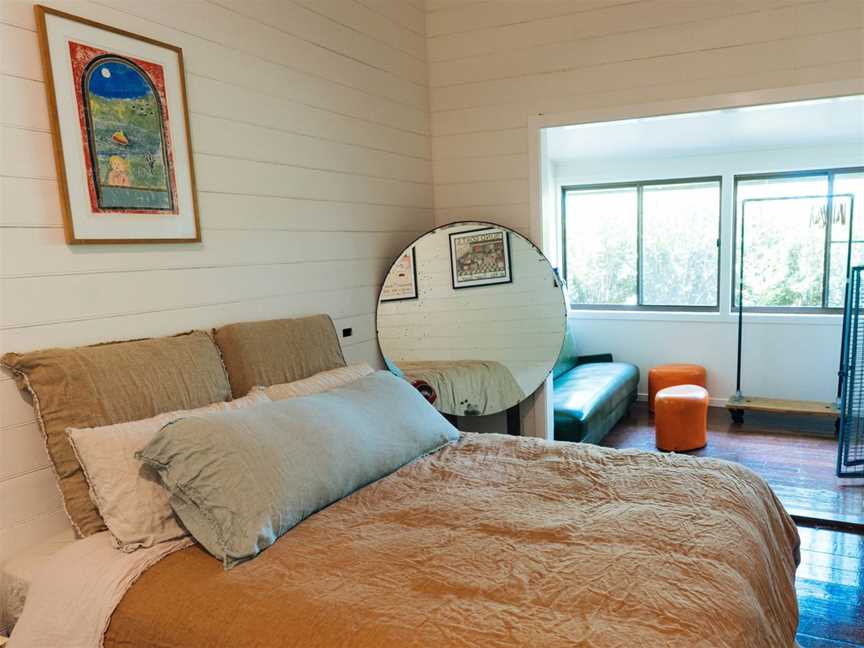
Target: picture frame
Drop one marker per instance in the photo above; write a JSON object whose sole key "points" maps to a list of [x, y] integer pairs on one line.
{"points": [[120, 127], [480, 257], [401, 281]]}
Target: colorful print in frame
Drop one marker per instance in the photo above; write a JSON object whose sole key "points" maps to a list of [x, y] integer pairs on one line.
{"points": [[480, 257], [118, 106]]}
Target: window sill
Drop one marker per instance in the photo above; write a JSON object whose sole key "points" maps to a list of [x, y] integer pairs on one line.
{"points": [[709, 317]]}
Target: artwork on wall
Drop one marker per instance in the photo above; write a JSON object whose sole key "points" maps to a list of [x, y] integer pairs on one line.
{"points": [[401, 282], [121, 133], [480, 258]]}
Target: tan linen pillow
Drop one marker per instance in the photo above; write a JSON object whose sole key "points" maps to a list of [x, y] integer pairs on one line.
{"points": [[278, 351], [113, 383], [130, 498], [320, 382]]}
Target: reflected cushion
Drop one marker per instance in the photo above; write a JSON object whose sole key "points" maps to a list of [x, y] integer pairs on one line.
{"points": [[239, 480]]}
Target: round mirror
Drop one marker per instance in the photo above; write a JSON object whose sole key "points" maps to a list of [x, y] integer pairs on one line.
{"points": [[474, 316]]}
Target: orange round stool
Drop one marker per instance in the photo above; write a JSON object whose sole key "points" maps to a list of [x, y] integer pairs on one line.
{"points": [[668, 375], [681, 418]]}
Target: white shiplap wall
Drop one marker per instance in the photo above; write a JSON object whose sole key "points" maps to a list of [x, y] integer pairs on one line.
{"points": [[310, 140], [494, 65]]}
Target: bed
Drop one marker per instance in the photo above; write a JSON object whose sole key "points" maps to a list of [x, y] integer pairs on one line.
{"points": [[487, 541]]}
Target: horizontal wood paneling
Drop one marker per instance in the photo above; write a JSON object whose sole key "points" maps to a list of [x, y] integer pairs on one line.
{"points": [[494, 66], [23, 105], [409, 14], [20, 246], [23, 449], [309, 134], [205, 56], [364, 18], [516, 115], [305, 25], [811, 49], [468, 16], [30, 202], [578, 24], [237, 174]]}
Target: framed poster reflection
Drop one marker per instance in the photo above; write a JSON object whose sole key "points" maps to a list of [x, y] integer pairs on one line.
{"points": [[480, 258], [401, 282]]}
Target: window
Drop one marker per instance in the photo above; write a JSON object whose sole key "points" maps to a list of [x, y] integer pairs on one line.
{"points": [[650, 245], [795, 256]]}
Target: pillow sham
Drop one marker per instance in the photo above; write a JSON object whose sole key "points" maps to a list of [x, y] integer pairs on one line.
{"points": [[320, 382], [128, 494], [239, 480], [278, 351], [110, 383]]}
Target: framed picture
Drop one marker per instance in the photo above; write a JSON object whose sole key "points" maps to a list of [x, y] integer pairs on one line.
{"points": [[120, 123], [401, 282], [480, 258]]}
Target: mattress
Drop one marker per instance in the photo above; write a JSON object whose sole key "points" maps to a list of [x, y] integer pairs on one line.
{"points": [[18, 571], [499, 542]]}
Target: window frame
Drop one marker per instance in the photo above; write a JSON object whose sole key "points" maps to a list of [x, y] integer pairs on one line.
{"points": [[829, 175], [639, 185]]}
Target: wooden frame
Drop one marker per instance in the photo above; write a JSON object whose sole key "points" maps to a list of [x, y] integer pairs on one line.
{"points": [[477, 283], [60, 157]]}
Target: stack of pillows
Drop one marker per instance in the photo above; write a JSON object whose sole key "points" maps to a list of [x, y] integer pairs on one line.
{"points": [[239, 474]]}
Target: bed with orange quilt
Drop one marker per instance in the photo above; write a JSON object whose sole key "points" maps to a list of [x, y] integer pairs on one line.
{"points": [[498, 541]]}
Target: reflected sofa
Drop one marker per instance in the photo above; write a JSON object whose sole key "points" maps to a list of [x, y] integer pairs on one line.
{"points": [[591, 393]]}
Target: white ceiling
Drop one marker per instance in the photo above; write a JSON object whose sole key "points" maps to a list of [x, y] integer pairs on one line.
{"points": [[805, 123]]}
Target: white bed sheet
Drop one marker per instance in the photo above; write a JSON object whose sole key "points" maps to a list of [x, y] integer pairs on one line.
{"points": [[18, 571]]}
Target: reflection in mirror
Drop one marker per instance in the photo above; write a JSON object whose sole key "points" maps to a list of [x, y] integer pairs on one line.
{"points": [[474, 316]]}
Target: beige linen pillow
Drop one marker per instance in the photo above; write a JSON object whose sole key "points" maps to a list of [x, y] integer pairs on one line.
{"points": [[278, 351], [128, 494], [111, 383], [320, 382]]}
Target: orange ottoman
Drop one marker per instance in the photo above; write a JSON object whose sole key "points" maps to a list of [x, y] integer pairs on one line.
{"points": [[681, 418], [668, 375]]}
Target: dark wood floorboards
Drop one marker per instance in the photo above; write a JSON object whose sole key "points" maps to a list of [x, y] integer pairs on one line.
{"points": [[800, 469], [830, 585]]}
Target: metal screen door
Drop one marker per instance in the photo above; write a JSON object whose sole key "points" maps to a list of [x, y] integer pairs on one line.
{"points": [[850, 448]]}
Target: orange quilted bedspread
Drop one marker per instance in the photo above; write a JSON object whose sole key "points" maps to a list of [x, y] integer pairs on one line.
{"points": [[494, 542]]}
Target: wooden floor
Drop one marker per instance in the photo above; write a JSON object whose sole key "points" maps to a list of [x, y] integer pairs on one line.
{"points": [[799, 468], [830, 578], [830, 584]]}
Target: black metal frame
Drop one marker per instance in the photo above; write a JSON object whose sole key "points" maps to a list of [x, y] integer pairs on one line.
{"points": [[850, 408], [639, 185], [829, 200], [830, 174]]}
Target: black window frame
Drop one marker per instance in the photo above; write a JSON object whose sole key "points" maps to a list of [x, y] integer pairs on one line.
{"points": [[639, 185], [829, 174]]}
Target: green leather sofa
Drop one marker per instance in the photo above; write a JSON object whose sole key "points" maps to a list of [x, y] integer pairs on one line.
{"points": [[591, 393]]}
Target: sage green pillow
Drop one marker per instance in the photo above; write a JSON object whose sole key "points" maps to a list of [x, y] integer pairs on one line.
{"points": [[239, 480]]}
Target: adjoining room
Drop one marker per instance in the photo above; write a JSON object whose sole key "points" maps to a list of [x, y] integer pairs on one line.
{"points": [[650, 222]]}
